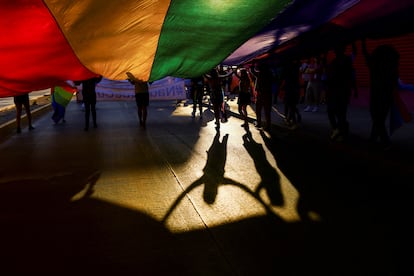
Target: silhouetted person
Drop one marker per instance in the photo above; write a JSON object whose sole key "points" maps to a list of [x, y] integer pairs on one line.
{"points": [[338, 93], [314, 88], [89, 99], [291, 86], [141, 98], [305, 76], [263, 86], [354, 74], [383, 65], [197, 93], [245, 94], [214, 81], [21, 101]]}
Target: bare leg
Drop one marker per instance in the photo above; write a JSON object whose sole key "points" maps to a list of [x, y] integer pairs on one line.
{"points": [[29, 115], [144, 116], [93, 110], [87, 111], [140, 115], [18, 116], [217, 110]]}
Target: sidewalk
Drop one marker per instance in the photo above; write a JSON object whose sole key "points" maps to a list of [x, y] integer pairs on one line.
{"points": [[39, 105], [7, 103]]}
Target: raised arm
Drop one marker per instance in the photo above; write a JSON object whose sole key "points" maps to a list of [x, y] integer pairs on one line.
{"points": [[253, 71], [237, 73], [132, 79], [226, 75]]}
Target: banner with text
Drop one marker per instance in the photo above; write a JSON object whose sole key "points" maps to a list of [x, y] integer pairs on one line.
{"points": [[168, 88]]}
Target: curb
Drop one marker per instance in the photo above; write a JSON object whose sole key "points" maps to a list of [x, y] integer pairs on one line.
{"points": [[9, 128]]}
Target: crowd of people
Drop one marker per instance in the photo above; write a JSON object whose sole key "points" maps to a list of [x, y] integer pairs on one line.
{"points": [[313, 81]]}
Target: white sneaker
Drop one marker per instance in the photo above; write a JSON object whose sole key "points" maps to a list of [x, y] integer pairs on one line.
{"points": [[334, 134], [307, 109], [315, 109], [293, 127]]}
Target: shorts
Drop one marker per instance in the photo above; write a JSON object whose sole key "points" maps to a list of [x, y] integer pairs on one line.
{"points": [[21, 99], [142, 99]]}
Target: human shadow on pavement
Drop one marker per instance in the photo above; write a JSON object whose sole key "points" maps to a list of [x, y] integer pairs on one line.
{"points": [[342, 201], [56, 225], [208, 116], [270, 179], [303, 163], [53, 226], [26, 194], [213, 176]]}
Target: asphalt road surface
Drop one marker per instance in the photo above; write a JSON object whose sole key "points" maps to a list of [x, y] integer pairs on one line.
{"points": [[181, 198]]}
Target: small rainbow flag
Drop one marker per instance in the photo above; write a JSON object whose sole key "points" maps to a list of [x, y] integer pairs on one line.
{"points": [[61, 96]]}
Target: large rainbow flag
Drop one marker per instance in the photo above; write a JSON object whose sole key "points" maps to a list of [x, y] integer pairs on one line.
{"points": [[45, 42]]}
